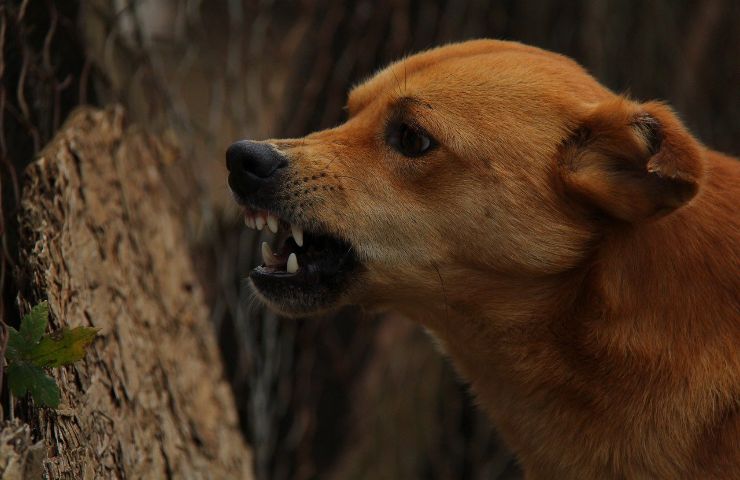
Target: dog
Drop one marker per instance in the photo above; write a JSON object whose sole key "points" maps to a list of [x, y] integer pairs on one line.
{"points": [[575, 252]]}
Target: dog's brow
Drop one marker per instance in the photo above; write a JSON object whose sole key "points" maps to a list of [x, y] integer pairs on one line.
{"points": [[399, 105], [405, 105], [406, 101]]}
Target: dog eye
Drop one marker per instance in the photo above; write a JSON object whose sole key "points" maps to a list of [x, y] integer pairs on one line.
{"points": [[410, 141]]}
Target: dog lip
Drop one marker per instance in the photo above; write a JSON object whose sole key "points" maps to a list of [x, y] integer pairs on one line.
{"points": [[238, 198], [303, 281]]}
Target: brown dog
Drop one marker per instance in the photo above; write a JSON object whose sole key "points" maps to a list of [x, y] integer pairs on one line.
{"points": [[576, 253]]}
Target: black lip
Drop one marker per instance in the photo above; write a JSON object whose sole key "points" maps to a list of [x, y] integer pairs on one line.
{"points": [[326, 273], [238, 198]]}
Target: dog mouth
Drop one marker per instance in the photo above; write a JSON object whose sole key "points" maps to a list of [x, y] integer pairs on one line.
{"points": [[303, 271]]}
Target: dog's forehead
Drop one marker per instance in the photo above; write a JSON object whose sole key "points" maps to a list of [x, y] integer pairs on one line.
{"points": [[451, 66], [396, 74]]}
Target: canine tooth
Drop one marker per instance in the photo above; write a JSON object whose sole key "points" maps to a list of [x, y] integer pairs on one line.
{"points": [[267, 255], [292, 266], [297, 234], [272, 223], [259, 222]]}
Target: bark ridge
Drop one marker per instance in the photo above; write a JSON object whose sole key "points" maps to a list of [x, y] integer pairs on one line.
{"points": [[102, 240]]}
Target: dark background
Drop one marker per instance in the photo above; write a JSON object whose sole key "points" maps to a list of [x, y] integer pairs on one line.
{"points": [[351, 396]]}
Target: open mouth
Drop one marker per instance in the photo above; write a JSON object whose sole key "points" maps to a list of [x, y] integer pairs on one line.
{"points": [[303, 271]]}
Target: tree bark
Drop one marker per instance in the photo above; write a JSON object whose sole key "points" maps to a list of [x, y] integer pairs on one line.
{"points": [[102, 241]]}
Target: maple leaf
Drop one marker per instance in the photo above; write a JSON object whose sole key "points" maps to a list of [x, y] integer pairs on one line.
{"points": [[24, 377], [29, 350], [32, 328], [63, 348]]}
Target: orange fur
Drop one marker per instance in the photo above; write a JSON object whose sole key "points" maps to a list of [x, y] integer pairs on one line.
{"points": [[577, 254]]}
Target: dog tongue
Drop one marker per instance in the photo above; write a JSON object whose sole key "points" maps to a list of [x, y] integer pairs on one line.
{"points": [[286, 261], [270, 259]]}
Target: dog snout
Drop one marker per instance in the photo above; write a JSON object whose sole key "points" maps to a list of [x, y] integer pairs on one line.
{"points": [[252, 165]]}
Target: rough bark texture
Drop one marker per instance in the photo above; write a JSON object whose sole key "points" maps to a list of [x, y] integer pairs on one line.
{"points": [[101, 240], [20, 457]]}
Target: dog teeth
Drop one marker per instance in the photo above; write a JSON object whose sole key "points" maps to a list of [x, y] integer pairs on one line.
{"points": [[297, 233], [261, 219], [259, 222], [292, 266], [272, 223]]}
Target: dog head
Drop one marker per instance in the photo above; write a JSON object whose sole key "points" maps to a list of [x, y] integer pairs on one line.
{"points": [[473, 161]]}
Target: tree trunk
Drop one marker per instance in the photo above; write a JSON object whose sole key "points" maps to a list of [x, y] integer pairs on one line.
{"points": [[101, 240]]}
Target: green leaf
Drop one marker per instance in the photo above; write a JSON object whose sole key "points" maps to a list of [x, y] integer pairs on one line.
{"points": [[29, 350], [23, 378], [62, 348], [17, 346], [33, 325], [22, 342]]}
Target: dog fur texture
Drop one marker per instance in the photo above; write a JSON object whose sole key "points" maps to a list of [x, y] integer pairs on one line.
{"points": [[576, 253]]}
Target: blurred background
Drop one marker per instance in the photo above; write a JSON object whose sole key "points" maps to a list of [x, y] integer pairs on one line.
{"points": [[352, 396]]}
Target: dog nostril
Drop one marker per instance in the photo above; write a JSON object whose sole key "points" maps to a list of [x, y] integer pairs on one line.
{"points": [[241, 166], [254, 158]]}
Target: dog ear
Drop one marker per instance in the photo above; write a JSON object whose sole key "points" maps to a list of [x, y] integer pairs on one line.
{"points": [[632, 161]]}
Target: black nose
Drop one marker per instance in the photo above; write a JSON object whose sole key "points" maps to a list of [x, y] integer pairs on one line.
{"points": [[255, 159], [253, 167]]}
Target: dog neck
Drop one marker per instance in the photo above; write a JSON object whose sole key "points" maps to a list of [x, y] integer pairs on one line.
{"points": [[636, 317]]}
